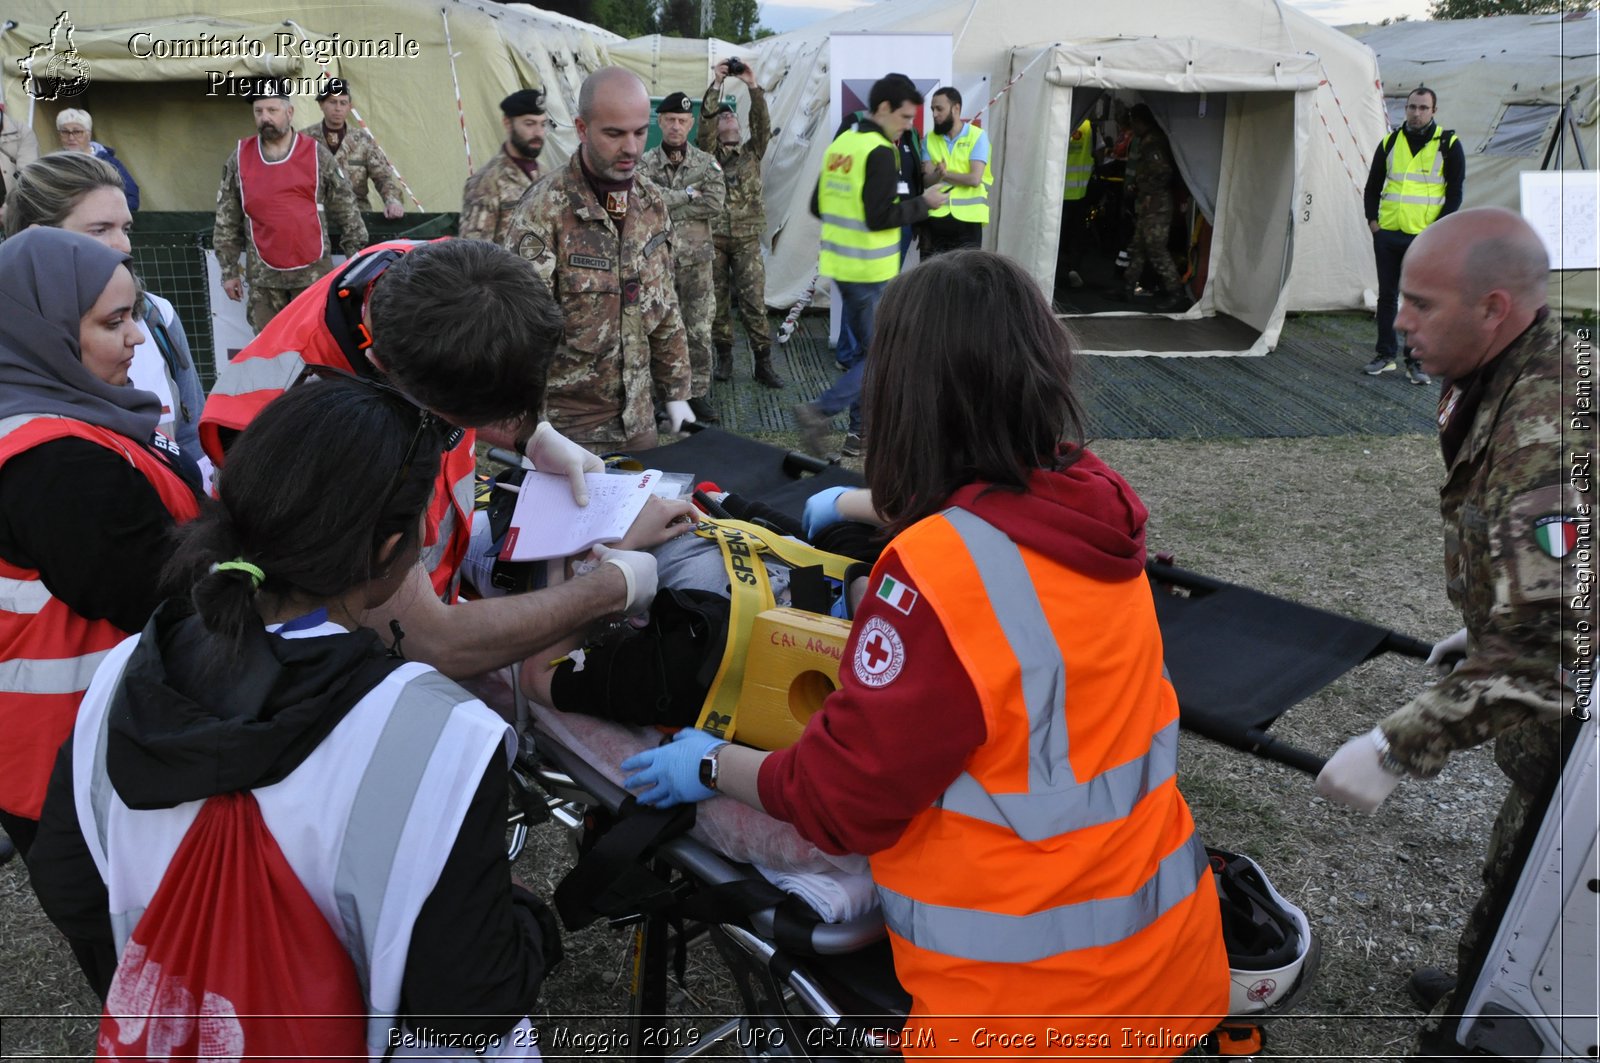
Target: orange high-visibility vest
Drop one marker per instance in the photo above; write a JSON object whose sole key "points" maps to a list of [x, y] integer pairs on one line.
{"points": [[1060, 876], [48, 653], [280, 203], [299, 336]]}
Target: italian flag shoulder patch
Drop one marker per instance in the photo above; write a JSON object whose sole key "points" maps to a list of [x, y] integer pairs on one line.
{"points": [[1555, 534], [897, 594]]}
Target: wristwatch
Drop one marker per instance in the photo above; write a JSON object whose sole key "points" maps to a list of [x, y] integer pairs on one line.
{"points": [[711, 767], [1386, 758]]}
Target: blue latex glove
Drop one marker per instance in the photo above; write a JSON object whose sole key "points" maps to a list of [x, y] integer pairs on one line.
{"points": [[672, 771], [822, 509]]}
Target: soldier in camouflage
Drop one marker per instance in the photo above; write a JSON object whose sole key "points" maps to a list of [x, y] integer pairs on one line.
{"points": [[333, 204], [691, 183], [739, 229], [354, 149], [1149, 189], [1473, 289], [601, 240], [494, 191]]}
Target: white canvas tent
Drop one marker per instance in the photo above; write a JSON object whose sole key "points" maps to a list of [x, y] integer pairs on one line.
{"points": [[1513, 88], [1272, 114], [673, 64], [173, 137]]}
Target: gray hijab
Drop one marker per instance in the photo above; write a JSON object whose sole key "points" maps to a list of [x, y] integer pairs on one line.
{"points": [[50, 278]]}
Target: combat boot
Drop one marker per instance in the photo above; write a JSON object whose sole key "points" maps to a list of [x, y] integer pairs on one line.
{"points": [[724, 366], [765, 374], [704, 412]]}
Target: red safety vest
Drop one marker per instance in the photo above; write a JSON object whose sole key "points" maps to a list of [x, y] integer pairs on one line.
{"points": [[48, 653], [298, 336], [1083, 898], [280, 203]]}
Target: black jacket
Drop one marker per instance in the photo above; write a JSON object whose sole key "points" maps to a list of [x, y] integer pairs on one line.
{"points": [[182, 730]]}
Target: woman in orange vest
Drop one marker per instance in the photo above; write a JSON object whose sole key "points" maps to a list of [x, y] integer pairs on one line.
{"points": [[1003, 742], [89, 491]]}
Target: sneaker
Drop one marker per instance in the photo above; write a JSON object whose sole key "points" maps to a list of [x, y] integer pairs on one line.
{"points": [[1415, 374], [1429, 985], [815, 427], [1074, 280], [854, 446], [1381, 364]]}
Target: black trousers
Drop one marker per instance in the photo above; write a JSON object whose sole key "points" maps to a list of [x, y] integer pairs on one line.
{"points": [[1389, 249], [949, 234]]}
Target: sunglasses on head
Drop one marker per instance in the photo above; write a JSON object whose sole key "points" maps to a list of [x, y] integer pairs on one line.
{"points": [[427, 420]]}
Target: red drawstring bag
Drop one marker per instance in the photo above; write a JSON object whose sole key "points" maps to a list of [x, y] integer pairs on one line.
{"points": [[232, 960]]}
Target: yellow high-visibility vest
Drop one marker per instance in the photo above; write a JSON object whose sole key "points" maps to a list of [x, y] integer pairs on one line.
{"points": [[852, 252], [966, 203], [1413, 192], [1080, 163]]}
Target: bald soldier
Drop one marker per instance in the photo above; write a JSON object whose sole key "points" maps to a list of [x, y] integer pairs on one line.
{"points": [[291, 190], [691, 182], [602, 241], [1473, 309], [493, 192]]}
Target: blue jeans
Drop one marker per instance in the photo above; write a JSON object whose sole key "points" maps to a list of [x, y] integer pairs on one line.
{"points": [[849, 350], [860, 304]]}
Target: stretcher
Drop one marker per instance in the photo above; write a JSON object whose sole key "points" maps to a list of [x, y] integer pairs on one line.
{"points": [[1238, 659]]}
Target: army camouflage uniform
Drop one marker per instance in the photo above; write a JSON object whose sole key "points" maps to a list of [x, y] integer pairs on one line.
{"points": [[1508, 479], [490, 196], [270, 290], [692, 251], [738, 231], [1149, 187], [624, 346], [362, 160]]}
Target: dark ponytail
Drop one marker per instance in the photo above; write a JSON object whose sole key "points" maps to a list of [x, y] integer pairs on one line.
{"points": [[316, 483]]}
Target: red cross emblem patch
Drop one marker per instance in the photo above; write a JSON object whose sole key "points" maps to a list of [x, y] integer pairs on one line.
{"points": [[880, 654]]}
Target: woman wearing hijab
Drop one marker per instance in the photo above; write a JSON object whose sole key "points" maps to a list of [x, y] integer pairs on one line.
{"points": [[88, 494], [83, 194]]}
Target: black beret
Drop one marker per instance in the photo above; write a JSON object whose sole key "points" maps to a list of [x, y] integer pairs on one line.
{"points": [[269, 89], [677, 103], [334, 87], [523, 101]]}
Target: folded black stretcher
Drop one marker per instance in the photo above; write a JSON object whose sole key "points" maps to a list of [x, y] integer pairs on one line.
{"points": [[1239, 658]]}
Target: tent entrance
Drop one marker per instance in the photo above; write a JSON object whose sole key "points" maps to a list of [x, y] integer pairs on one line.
{"points": [[1234, 119]]}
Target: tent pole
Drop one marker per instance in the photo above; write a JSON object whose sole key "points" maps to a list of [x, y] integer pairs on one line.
{"points": [[1555, 147], [1577, 141]]}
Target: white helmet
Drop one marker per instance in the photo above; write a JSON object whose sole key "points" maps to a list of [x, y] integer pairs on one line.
{"points": [[1272, 953]]}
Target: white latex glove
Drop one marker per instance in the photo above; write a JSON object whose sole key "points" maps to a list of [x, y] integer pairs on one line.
{"points": [[639, 569], [1453, 646], [1355, 775], [678, 413], [550, 451]]}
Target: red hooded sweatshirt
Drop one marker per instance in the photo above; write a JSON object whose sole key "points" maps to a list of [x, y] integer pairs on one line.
{"points": [[874, 757]]}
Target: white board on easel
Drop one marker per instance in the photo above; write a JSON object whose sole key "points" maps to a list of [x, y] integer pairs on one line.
{"points": [[1563, 206]]}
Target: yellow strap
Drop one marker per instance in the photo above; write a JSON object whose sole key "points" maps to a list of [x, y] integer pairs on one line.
{"points": [[751, 593], [795, 554]]}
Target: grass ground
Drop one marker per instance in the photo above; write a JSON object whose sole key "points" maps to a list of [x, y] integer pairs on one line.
{"points": [[1348, 524]]}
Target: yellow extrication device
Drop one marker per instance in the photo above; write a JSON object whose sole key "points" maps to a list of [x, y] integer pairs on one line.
{"points": [[779, 664]]}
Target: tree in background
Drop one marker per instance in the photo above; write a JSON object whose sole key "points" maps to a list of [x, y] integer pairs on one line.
{"points": [[1449, 9], [734, 20]]}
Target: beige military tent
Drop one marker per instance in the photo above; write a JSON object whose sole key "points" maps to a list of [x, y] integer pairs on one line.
{"points": [[1272, 115], [1519, 90], [673, 64], [427, 78]]}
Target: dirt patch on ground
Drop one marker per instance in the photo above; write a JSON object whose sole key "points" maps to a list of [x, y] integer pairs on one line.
{"points": [[1347, 524]]}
